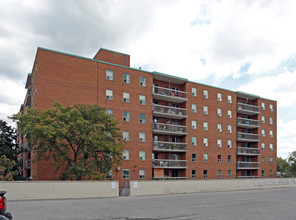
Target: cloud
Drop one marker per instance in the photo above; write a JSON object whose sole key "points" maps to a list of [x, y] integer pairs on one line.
{"points": [[286, 138]]}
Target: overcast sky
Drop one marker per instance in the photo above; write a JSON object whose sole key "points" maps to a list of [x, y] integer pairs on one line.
{"points": [[247, 46]]}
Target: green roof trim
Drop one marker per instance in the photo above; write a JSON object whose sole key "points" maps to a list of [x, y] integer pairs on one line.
{"points": [[114, 51], [171, 76], [99, 61], [29, 74], [248, 94]]}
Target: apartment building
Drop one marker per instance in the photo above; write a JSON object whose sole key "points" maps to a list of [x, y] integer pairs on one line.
{"points": [[174, 128]]}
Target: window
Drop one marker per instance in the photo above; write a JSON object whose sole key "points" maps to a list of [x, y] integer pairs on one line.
{"points": [[219, 112], [271, 134], [219, 158], [109, 75], [194, 108], [219, 96], [142, 136], [205, 174], [109, 111], [142, 100], [271, 120], [193, 141], [271, 147], [271, 173], [125, 155], [110, 174], [229, 128], [229, 99], [126, 135], [263, 106], [219, 127], [229, 143], [219, 173], [194, 124], [126, 78], [205, 158], [142, 174], [126, 97], [229, 158], [263, 119], [205, 142], [205, 110], [219, 143], [126, 116], [271, 160], [193, 157], [142, 81], [142, 155], [263, 133], [193, 174], [271, 107], [229, 173], [205, 94], [263, 173], [263, 146], [142, 118], [109, 94], [205, 126], [229, 113], [263, 160], [125, 173], [194, 91]]}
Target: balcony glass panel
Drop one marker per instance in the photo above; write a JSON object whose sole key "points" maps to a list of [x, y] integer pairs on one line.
{"points": [[167, 111], [245, 122], [248, 137], [169, 129], [169, 146], [247, 165], [248, 151], [248, 109], [169, 94], [160, 163]]}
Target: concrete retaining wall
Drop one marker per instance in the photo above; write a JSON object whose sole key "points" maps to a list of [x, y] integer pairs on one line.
{"points": [[59, 189], [140, 188]]}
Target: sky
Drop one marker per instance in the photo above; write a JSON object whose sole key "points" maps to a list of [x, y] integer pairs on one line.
{"points": [[240, 45]]}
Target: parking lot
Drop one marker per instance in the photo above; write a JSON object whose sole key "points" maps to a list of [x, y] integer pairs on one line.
{"points": [[247, 204]]}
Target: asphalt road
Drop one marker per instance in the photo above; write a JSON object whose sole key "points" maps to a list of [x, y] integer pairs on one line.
{"points": [[253, 204]]}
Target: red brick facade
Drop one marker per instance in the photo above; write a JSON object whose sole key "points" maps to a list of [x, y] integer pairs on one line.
{"points": [[177, 129]]}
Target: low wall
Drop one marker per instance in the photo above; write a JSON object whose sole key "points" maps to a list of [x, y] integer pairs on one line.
{"points": [[59, 189], [141, 188]]}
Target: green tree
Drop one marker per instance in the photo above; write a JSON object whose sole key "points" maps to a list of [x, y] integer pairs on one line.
{"points": [[283, 167], [292, 162], [8, 143], [82, 140], [7, 170]]}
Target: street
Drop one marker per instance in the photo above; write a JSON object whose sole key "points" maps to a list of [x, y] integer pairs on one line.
{"points": [[254, 204]]}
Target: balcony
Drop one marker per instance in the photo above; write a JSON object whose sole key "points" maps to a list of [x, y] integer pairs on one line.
{"points": [[27, 165], [169, 146], [247, 137], [169, 112], [170, 178], [248, 151], [175, 164], [28, 98], [247, 109], [247, 123], [247, 165], [247, 177], [170, 95], [169, 129]]}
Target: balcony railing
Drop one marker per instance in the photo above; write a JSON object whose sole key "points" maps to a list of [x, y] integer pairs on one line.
{"points": [[247, 137], [247, 165], [169, 112], [176, 164], [247, 109], [169, 146], [170, 178], [248, 151], [164, 128], [167, 94], [247, 123]]}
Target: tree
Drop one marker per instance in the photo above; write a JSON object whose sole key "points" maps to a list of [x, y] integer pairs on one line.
{"points": [[292, 162], [82, 139], [8, 143], [7, 170], [283, 167]]}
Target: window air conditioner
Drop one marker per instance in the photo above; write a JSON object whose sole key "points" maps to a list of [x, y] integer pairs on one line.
{"points": [[141, 158], [125, 80], [142, 139], [141, 121], [142, 102], [124, 157], [141, 83], [205, 144], [109, 97], [108, 77]]}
